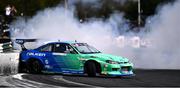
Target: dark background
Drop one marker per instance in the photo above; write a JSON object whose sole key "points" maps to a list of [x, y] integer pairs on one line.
{"points": [[85, 11]]}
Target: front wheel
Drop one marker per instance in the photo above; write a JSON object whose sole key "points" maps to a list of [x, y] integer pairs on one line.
{"points": [[91, 69], [35, 67]]}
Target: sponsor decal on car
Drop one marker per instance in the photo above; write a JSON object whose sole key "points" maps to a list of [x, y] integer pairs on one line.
{"points": [[36, 54]]}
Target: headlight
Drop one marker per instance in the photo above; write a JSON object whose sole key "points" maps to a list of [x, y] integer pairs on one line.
{"points": [[111, 62]]}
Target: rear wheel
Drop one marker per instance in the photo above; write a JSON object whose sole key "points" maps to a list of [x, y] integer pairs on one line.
{"points": [[91, 69], [35, 67], [22, 67]]}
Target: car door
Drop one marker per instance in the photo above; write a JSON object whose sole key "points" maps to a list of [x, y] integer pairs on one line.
{"points": [[65, 59], [48, 60]]}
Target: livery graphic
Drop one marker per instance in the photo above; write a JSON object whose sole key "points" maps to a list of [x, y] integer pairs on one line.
{"points": [[71, 58]]}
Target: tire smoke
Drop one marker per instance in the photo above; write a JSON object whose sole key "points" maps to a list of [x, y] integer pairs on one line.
{"points": [[61, 24]]}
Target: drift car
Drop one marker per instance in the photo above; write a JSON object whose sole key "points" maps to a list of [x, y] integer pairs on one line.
{"points": [[72, 58]]}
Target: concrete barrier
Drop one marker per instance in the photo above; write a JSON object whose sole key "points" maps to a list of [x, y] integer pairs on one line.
{"points": [[9, 63]]}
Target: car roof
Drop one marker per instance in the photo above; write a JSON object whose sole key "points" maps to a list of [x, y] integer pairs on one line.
{"points": [[67, 42]]}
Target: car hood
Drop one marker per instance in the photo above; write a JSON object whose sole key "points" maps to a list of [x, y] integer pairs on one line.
{"points": [[104, 57]]}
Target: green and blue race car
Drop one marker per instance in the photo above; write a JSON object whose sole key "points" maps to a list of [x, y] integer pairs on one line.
{"points": [[72, 58]]}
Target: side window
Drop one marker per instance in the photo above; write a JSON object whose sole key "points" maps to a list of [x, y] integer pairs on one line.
{"points": [[63, 48], [60, 48], [46, 48], [71, 50]]}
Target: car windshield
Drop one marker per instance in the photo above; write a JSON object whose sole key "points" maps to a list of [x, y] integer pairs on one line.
{"points": [[84, 48]]}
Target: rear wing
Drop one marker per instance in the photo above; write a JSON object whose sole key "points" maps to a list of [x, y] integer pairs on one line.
{"points": [[23, 41]]}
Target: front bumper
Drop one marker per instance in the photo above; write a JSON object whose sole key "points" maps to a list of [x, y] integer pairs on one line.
{"points": [[118, 70], [118, 73]]}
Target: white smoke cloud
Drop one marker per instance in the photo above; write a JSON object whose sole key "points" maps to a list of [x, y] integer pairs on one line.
{"points": [[165, 37], [58, 23]]}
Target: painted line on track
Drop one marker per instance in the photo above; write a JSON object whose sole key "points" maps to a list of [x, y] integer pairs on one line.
{"points": [[71, 82], [30, 84]]}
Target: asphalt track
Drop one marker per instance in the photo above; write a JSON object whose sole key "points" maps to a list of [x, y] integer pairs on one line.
{"points": [[143, 78]]}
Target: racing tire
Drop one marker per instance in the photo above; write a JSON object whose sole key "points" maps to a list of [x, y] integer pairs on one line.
{"points": [[35, 67], [91, 69], [21, 67]]}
